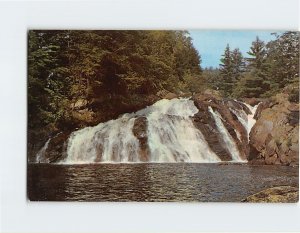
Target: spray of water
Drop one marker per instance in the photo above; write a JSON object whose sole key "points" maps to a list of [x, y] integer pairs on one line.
{"points": [[172, 137]]}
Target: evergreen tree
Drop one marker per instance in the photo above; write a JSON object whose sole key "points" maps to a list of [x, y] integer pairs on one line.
{"points": [[283, 58], [107, 70], [212, 76], [238, 64], [226, 72], [255, 82]]}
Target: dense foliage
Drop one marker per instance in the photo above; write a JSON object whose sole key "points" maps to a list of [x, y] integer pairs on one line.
{"points": [[109, 72], [79, 78], [268, 69]]}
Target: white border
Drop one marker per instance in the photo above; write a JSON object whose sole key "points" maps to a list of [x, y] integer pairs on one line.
{"points": [[18, 215]]}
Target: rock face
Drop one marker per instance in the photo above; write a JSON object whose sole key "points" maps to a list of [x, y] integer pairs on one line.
{"points": [[274, 139], [54, 149], [281, 194], [205, 122]]}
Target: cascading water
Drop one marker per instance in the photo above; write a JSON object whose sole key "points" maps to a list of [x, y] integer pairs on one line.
{"points": [[169, 136], [172, 137], [40, 156], [228, 140], [106, 142], [247, 121], [251, 120]]}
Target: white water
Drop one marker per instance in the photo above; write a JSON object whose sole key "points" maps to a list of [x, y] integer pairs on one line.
{"points": [[247, 121], [110, 141], [228, 140], [172, 137], [40, 156], [251, 120]]}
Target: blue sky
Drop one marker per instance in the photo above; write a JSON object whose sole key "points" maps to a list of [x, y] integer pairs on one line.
{"points": [[211, 44]]}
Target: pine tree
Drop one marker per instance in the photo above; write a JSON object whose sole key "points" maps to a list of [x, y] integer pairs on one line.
{"points": [[226, 72], [238, 64], [283, 58], [255, 82]]}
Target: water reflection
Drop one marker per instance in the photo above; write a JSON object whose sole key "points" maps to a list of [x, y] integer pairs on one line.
{"points": [[154, 182]]}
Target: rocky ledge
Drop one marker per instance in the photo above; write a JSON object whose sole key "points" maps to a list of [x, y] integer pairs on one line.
{"points": [[280, 194]]}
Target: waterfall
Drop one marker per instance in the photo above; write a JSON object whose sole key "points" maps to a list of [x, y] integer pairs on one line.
{"points": [[251, 120], [40, 156], [112, 141], [247, 121], [172, 137], [228, 140]]}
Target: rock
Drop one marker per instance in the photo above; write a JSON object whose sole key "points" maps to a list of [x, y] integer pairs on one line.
{"points": [[164, 94], [280, 194], [275, 136], [263, 105], [140, 131], [204, 121], [252, 101], [170, 96], [56, 149]]}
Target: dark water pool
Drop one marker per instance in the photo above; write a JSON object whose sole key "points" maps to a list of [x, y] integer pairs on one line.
{"points": [[154, 182]]}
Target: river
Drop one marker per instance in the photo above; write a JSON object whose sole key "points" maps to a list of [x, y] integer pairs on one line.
{"points": [[151, 182]]}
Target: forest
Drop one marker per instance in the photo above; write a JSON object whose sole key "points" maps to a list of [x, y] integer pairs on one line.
{"points": [[107, 73]]}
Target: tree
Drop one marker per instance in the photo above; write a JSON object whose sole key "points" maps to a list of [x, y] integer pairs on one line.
{"points": [[255, 82], [226, 72], [283, 58], [238, 64], [110, 71]]}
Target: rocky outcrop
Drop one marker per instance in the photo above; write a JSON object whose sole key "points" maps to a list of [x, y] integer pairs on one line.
{"points": [[54, 149], [274, 139], [281, 194], [204, 121]]}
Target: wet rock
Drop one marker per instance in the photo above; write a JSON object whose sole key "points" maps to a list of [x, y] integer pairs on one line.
{"points": [[281, 194], [140, 131], [57, 146], [204, 121], [252, 101]]}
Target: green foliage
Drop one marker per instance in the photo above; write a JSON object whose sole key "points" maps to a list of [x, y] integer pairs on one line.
{"points": [[226, 71], [283, 59], [212, 78], [105, 68], [238, 65], [267, 71], [231, 69], [250, 85]]}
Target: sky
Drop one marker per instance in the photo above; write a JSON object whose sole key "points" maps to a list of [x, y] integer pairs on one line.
{"points": [[211, 43]]}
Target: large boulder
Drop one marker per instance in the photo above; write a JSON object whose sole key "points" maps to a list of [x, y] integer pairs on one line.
{"points": [[274, 139]]}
